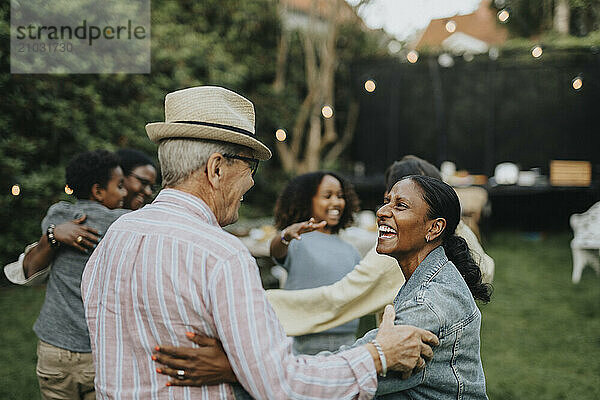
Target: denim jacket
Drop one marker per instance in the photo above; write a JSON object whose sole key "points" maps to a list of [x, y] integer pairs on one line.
{"points": [[437, 298]]}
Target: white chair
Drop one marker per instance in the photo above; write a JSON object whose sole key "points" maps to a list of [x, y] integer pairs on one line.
{"points": [[586, 243]]}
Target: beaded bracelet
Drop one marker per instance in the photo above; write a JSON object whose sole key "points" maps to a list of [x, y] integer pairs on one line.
{"points": [[50, 233], [381, 357]]}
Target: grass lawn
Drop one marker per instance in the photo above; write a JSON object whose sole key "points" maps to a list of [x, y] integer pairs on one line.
{"points": [[540, 334]]}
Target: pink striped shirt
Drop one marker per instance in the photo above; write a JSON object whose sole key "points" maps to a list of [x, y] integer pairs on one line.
{"points": [[169, 268]]}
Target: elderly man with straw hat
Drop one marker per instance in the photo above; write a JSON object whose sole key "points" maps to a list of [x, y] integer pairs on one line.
{"points": [[169, 268]]}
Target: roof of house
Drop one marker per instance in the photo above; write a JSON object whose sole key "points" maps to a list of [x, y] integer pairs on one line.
{"points": [[481, 25]]}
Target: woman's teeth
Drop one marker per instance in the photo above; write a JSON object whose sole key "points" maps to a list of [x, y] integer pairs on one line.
{"points": [[386, 231], [333, 213]]}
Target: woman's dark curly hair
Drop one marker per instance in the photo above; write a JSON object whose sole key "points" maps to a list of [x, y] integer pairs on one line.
{"points": [[294, 204], [130, 159], [87, 169], [443, 203]]}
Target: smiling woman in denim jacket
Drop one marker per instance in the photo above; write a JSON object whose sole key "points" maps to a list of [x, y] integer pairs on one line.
{"points": [[416, 227]]}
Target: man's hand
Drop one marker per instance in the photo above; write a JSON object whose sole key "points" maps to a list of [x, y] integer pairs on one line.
{"points": [[74, 234], [406, 348], [204, 365]]}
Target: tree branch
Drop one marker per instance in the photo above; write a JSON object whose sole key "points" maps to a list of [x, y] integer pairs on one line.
{"points": [[346, 139]]}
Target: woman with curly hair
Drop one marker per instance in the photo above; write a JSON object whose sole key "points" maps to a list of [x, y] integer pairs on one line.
{"points": [[310, 212]]}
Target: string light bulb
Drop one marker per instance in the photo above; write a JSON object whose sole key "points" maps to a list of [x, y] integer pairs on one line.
{"points": [[15, 190], [370, 85], [577, 83], [327, 111], [412, 56], [503, 15], [451, 26], [537, 51], [280, 134], [68, 190]]}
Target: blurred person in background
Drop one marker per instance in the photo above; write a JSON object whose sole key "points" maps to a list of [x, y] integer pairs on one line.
{"points": [[310, 211]]}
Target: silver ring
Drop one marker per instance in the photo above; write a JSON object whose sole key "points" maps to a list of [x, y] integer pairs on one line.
{"points": [[79, 239], [180, 374]]}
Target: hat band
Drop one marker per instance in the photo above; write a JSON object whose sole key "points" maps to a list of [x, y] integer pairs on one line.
{"points": [[213, 125]]}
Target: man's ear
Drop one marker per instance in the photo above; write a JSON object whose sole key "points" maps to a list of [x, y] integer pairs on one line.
{"points": [[214, 169], [97, 193], [437, 227]]}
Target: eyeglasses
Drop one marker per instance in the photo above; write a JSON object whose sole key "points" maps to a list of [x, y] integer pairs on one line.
{"points": [[145, 183], [252, 162]]}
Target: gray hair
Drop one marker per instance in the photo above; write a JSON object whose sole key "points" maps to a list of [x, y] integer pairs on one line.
{"points": [[179, 158]]}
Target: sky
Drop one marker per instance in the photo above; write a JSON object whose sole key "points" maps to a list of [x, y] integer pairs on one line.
{"points": [[403, 18]]}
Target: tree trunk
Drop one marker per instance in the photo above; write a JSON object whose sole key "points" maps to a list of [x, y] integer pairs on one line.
{"points": [[562, 15], [311, 135], [340, 145], [282, 50]]}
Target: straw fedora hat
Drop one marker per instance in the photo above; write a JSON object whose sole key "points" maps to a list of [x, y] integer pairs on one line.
{"points": [[209, 112]]}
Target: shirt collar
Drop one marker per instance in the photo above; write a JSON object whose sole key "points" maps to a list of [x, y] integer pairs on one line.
{"points": [[191, 203]]}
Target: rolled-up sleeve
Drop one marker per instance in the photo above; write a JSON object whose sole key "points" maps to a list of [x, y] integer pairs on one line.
{"points": [[372, 284], [261, 354], [15, 273]]}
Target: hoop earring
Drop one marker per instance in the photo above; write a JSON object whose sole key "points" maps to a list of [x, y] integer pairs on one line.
{"points": [[426, 239]]}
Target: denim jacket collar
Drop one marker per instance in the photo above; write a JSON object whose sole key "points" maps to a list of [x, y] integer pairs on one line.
{"points": [[426, 270]]}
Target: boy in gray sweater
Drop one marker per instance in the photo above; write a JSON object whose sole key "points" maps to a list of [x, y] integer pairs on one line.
{"points": [[65, 367]]}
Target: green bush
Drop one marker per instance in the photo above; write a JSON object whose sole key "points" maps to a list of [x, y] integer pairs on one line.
{"points": [[47, 119]]}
